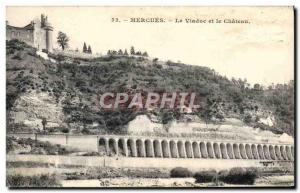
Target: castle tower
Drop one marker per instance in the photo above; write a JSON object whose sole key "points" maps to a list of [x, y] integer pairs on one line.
{"points": [[49, 29]]}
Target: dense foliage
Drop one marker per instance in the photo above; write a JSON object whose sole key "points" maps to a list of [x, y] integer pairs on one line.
{"points": [[83, 80], [36, 181], [246, 176], [239, 176], [35, 147], [206, 176], [180, 172]]}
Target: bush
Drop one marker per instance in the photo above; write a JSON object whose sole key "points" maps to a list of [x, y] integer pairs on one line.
{"points": [[16, 44], [65, 130], [91, 154], [180, 172], [32, 181], [222, 174], [206, 176], [17, 56], [32, 53], [37, 147], [248, 118], [239, 176], [45, 51], [9, 144]]}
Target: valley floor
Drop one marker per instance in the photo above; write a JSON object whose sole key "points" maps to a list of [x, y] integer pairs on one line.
{"points": [[80, 176], [173, 182]]}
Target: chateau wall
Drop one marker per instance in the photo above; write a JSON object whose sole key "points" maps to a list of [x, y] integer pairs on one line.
{"points": [[24, 35], [39, 36]]}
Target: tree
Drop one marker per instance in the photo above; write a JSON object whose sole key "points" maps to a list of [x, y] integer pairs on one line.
{"points": [[132, 52], [44, 123], [257, 87], [248, 118], [62, 40], [89, 50], [125, 52], [120, 52], [145, 54], [84, 48]]}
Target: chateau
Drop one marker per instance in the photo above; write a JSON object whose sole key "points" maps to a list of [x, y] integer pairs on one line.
{"points": [[38, 33]]}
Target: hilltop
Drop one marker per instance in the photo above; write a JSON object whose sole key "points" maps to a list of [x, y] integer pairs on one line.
{"points": [[65, 91]]}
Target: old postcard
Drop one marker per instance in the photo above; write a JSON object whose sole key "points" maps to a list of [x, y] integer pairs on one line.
{"points": [[150, 97]]}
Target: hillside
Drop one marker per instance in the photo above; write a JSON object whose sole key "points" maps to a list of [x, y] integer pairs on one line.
{"points": [[66, 93]]}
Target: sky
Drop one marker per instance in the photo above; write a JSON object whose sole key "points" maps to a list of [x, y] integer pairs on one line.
{"points": [[262, 51]]}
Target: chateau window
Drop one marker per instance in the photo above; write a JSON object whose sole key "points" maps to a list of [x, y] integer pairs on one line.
{"points": [[12, 33], [18, 33], [28, 34]]}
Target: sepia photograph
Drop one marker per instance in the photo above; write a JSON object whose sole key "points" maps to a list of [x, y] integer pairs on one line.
{"points": [[150, 97]]}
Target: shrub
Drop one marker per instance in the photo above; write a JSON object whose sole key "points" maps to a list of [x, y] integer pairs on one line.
{"points": [[180, 172], [59, 57], [32, 53], [206, 176], [91, 154], [248, 118], [65, 130], [45, 51], [9, 144], [239, 176], [16, 44], [9, 51], [222, 174], [32, 181], [37, 147], [17, 56]]}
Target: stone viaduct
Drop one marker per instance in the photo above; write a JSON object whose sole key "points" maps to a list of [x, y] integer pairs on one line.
{"points": [[163, 147], [183, 148]]}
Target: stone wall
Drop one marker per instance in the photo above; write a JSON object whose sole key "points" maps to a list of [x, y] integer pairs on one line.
{"points": [[230, 129], [76, 54], [127, 162]]}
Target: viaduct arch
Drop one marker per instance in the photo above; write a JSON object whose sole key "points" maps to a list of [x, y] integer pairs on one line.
{"points": [[176, 148]]}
